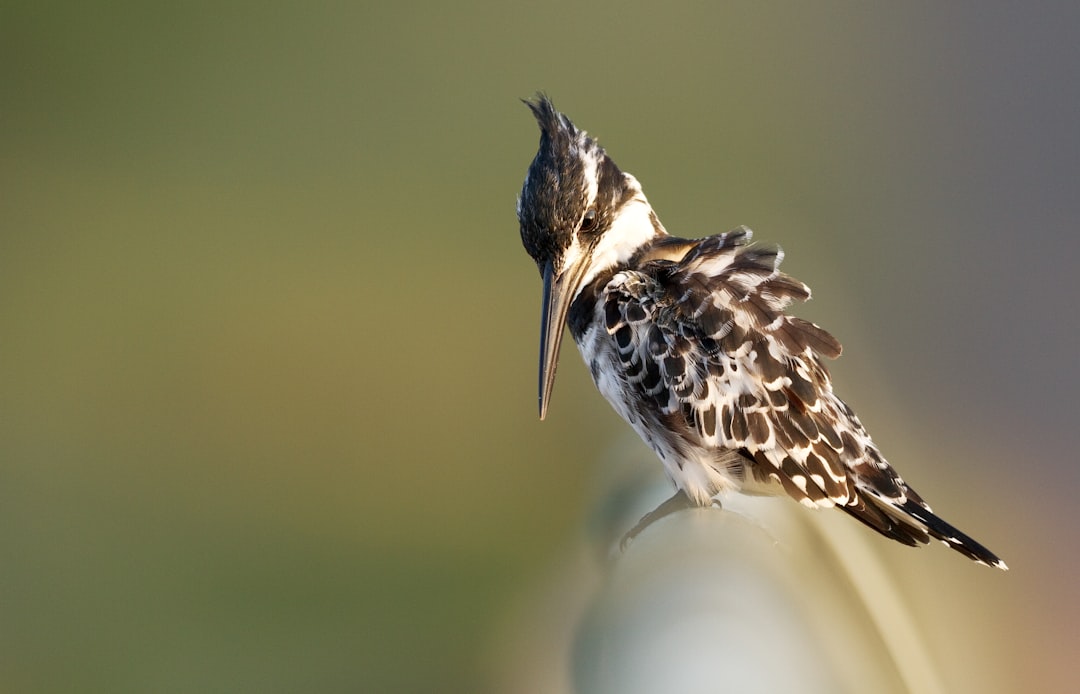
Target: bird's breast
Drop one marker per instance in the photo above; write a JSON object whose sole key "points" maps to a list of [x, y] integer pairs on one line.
{"points": [[691, 467]]}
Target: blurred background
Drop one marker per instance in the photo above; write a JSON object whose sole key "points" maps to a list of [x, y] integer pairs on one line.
{"points": [[268, 337]]}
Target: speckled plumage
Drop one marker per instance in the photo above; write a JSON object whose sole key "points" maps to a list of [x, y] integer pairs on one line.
{"points": [[690, 343]]}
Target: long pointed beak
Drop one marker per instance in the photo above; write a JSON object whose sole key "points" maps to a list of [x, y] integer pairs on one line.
{"points": [[559, 292]]}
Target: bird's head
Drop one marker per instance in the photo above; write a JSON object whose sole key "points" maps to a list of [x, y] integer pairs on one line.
{"points": [[580, 215]]}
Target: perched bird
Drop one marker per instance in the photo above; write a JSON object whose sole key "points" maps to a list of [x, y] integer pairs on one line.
{"points": [[689, 341]]}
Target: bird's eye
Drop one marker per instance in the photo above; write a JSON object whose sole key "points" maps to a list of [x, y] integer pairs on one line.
{"points": [[588, 222]]}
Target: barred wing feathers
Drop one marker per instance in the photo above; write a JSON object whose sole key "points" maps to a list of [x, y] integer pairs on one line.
{"points": [[707, 340]]}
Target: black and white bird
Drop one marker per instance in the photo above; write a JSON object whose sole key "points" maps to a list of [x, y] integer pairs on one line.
{"points": [[689, 341]]}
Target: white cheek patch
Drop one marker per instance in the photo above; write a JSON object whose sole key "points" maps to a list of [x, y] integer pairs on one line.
{"points": [[631, 229]]}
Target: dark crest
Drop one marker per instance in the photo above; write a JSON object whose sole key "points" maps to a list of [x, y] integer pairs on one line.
{"points": [[555, 194], [553, 197], [558, 135]]}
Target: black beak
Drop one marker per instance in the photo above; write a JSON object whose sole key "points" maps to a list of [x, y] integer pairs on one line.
{"points": [[559, 291]]}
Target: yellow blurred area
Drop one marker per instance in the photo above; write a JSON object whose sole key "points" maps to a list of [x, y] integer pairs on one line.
{"points": [[268, 336]]}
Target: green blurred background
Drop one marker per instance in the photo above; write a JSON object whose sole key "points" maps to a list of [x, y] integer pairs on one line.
{"points": [[268, 337]]}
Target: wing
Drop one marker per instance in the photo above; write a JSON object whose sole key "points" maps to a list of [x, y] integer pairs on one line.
{"points": [[707, 339]]}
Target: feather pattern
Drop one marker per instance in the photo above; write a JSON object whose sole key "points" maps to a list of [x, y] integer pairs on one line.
{"points": [[705, 343], [691, 343]]}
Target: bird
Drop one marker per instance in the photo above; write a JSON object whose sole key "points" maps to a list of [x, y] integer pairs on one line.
{"points": [[691, 342]]}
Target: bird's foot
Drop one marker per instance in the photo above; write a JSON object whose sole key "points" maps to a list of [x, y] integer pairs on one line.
{"points": [[677, 502]]}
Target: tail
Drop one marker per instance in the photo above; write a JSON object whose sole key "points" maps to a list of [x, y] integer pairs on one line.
{"points": [[912, 523]]}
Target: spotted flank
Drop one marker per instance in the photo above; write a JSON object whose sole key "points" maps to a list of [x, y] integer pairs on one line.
{"points": [[690, 342]]}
